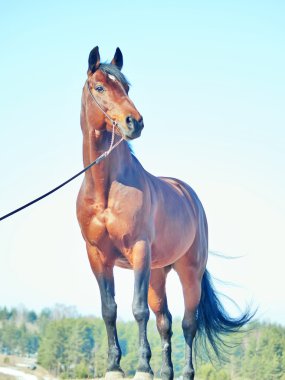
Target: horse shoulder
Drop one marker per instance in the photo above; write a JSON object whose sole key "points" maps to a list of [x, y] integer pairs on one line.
{"points": [[91, 218], [124, 209]]}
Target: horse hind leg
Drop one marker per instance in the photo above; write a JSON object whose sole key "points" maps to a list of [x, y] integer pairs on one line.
{"points": [[158, 303], [190, 277], [141, 266]]}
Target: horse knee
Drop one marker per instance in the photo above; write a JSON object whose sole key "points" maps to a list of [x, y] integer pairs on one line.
{"points": [[109, 313], [141, 313], [189, 326], [164, 324]]}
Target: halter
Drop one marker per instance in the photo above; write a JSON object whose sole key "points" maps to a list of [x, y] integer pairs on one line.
{"points": [[115, 125]]}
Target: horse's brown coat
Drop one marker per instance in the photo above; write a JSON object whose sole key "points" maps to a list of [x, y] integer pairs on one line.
{"points": [[132, 219]]}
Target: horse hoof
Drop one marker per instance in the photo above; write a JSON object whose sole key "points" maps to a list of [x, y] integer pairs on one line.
{"points": [[188, 374], [114, 375], [167, 374], [143, 376]]}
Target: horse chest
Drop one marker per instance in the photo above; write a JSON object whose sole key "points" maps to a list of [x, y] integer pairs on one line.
{"points": [[120, 221], [123, 216], [92, 222]]}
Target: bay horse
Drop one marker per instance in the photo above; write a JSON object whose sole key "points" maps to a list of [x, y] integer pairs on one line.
{"points": [[132, 219]]}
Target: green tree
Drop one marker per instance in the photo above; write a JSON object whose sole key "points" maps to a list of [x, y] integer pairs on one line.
{"points": [[53, 350], [77, 347], [32, 317]]}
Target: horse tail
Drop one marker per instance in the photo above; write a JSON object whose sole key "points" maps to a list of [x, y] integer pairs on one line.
{"points": [[213, 320]]}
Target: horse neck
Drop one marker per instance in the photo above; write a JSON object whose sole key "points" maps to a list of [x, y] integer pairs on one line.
{"points": [[98, 178]]}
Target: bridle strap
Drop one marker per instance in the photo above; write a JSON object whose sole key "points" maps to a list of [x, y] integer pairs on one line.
{"points": [[115, 124], [98, 104]]}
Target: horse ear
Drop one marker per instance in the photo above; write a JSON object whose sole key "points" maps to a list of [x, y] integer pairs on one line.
{"points": [[94, 60], [118, 59]]}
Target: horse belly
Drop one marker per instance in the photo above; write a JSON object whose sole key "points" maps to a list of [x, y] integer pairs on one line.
{"points": [[169, 246], [175, 230]]}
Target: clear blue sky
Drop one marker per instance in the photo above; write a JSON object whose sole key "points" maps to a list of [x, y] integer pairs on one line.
{"points": [[207, 76]]}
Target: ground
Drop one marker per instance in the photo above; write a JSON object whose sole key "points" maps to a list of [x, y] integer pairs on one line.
{"points": [[22, 364]]}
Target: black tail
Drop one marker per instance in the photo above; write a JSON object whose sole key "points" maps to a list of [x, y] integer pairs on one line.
{"points": [[213, 319]]}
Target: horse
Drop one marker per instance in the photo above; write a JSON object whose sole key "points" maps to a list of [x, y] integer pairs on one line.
{"points": [[134, 220]]}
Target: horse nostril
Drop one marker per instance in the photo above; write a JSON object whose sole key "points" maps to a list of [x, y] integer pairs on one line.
{"points": [[129, 120]]}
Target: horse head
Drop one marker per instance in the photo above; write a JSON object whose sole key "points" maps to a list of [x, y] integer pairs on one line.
{"points": [[109, 103]]}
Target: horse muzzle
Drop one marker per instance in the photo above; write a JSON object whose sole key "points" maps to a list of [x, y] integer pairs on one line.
{"points": [[133, 127]]}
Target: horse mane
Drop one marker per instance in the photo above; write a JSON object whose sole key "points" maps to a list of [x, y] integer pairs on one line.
{"points": [[108, 68]]}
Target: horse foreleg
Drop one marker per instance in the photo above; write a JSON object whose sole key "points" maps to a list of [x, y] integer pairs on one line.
{"points": [[105, 278], [141, 266], [158, 304]]}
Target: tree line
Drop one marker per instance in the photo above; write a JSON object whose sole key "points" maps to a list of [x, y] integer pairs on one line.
{"points": [[72, 346]]}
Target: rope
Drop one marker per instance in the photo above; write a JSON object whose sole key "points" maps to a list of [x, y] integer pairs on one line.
{"points": [[97, 161]]}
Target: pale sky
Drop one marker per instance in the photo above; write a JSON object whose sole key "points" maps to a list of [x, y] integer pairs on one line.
{"points": [[208, 78]]}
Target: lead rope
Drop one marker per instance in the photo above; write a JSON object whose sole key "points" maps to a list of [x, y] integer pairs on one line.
{"points": [[96, 162]]}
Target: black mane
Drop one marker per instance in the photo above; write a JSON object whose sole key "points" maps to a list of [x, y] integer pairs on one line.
{"points": [[108, 68]]}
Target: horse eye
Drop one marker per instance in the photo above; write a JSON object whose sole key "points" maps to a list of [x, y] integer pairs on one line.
{"points": [[99, 88]]}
